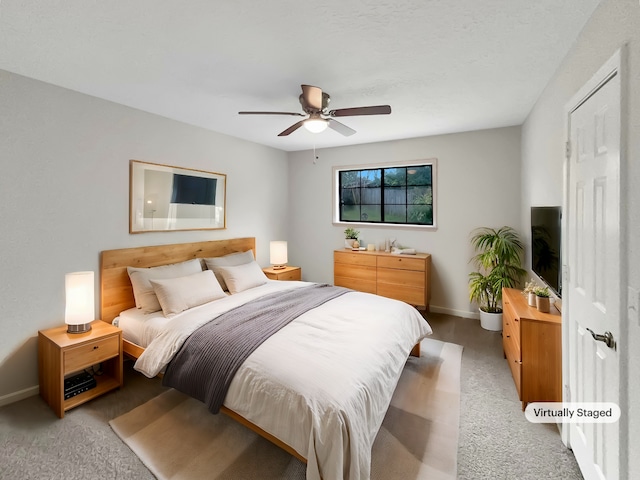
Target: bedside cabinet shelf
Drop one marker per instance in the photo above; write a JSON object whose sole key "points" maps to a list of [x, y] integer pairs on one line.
{"points": [[62, 354]]}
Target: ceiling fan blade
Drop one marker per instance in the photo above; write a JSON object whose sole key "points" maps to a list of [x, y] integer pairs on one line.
{"points": [[272, 113], [352, 112], [291, 129], [312, 97], [340, 127]]}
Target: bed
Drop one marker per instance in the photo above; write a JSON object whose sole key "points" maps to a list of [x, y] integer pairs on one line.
{"points": [[318, 388]]}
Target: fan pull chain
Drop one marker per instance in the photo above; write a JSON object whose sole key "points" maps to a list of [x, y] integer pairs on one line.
{"points": [[315, 157]]}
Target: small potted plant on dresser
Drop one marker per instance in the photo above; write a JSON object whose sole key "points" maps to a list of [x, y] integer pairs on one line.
{"points": [[350, 237], [529, 292], [543, 303], [499, 265]]}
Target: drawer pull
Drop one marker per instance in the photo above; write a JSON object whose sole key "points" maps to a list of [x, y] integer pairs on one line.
{"points": [[95, 347], [508, 336]]}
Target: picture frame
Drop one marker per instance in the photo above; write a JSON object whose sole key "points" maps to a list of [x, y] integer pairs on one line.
{"points": [[166, 198]]}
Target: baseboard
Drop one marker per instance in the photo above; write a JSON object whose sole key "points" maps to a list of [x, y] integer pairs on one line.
{"points": [[20, 395], [455, 313]]}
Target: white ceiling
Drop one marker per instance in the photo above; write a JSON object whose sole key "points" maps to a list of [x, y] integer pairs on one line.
{"points": [[443, 65]]}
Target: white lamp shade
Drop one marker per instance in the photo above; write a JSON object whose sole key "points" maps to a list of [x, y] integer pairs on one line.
{"points": [[79, 307], [316, 125], [278, 252]]}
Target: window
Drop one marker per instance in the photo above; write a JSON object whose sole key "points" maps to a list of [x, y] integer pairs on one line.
{"points": [[401, 194]]}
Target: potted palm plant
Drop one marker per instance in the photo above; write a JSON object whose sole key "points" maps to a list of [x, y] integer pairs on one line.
{"points": [[499, 265]]}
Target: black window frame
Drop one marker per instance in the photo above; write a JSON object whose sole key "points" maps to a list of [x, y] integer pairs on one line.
{"points": [[383, 216]]}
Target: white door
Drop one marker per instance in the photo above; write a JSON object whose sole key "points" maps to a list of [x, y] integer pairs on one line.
{"points": [[592, 287]]}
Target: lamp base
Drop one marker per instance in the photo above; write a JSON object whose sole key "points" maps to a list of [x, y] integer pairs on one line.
{"points": [[278, 267], [82, 328]]}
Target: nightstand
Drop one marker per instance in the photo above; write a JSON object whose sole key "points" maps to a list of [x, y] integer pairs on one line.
{"points": [[286, 273], [61, 354]]}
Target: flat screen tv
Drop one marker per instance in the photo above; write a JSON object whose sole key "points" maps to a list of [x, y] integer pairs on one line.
{"points": [[545, 246], [192, 190]]}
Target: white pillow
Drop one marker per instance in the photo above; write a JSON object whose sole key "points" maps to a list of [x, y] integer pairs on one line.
{"points": [[179, 294], [243, 277], [231, 260], [143, 291]]}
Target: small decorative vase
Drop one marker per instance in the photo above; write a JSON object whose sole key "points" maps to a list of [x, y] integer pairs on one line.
{"points": [[543, 304], [532, 299]]}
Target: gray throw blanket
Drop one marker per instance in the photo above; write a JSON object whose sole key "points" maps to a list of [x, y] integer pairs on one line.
{"points": [[208, 360]]}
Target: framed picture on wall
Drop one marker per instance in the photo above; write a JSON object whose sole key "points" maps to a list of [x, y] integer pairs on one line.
{"points": [[166, 198]]}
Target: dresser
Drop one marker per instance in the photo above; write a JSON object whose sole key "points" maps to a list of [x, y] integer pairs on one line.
{"points": [[403, 277], [532, 343]]}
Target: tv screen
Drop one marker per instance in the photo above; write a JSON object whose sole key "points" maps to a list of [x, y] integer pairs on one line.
{"points": [[193, 190], [545, 246]]}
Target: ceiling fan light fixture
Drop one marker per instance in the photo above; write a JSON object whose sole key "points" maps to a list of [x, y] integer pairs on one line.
{"points": [[316, 125]]}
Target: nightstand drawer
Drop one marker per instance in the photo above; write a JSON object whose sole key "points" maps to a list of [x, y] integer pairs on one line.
{"points": [[85, 355], [292, 275]]}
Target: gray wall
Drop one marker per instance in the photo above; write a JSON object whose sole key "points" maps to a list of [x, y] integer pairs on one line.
{"points": [[613, 24], [478, 184], [64, 191]]}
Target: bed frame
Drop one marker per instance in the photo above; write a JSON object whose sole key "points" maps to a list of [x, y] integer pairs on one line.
{"points": [[116, 292]]}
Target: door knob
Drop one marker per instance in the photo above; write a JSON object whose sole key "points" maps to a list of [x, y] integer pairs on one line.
{"points": [[607, 338]]}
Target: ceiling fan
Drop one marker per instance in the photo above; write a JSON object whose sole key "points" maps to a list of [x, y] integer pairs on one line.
{"points": [[315, 104]]}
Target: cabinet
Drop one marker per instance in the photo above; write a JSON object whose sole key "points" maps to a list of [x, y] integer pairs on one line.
{"points": [[286, 273], [532, 343], [403, 277], [61, 354]]}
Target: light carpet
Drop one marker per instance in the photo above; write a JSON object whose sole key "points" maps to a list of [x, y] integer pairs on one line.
{"points": [[176, 437]]}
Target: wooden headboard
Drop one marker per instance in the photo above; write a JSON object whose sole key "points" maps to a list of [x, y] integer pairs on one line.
{"points": [[116, 293]]}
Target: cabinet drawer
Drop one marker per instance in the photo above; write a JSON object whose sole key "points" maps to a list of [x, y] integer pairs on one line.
{"points": [[509, 336], [515, 365], [82, 356], [357, 272], [411, 295], [351, 258], [401, 277], [510, 320], [292, 275], [368, 286], [402, 263]]}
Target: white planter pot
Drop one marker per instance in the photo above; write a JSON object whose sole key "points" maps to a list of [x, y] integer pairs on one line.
{"points": [[348, 242], [491, 321]]}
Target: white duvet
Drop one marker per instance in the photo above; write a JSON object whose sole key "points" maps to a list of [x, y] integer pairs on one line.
{"points": [[323, 383]]}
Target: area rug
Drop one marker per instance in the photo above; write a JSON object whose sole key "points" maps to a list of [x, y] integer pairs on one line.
{"points": [[177, 438]]}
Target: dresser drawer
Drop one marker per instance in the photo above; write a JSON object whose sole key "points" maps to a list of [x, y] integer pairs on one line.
{"points": [[354, 258], [358, 272], [509, 336], [402, 277], [411, 295], [367, 286], [511, 321], [512, 353], [402, 263], [90, 353]]}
